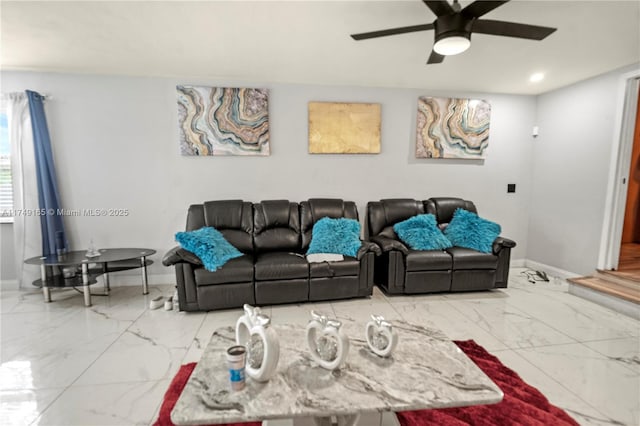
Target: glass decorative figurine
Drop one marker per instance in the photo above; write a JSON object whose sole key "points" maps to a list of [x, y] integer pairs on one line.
{"points": [[92, 251], [381, 337], [328, 345], [261, 341]]}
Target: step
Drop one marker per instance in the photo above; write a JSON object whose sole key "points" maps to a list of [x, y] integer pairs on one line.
{"points": [[632, 294], [618, 277]]}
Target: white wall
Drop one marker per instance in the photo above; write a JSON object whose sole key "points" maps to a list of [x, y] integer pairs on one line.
{"points": [[571, 159], [115, 143], [7, 258]]}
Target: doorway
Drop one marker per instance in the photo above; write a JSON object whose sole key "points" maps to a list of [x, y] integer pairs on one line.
{"points": [[619, 171], [629, 260]]}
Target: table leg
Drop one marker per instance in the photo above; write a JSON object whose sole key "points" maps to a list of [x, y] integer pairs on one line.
{"points": [[105, 276], [145, 285], [85, 285], [45, 290], [346, 420]]}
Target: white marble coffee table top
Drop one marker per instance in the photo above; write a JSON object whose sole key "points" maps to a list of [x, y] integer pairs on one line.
{"points": [[426, 370]]}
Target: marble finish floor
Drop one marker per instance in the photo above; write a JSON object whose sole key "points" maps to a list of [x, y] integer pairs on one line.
{"points": [[62, 364]]}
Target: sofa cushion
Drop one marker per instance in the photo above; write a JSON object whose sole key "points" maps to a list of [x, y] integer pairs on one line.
{"points": [[276, 226], [238, 270], [280, 265], [347, 267], [445, 207], [234, 219], [314, 209], [385, 213], [464, 258], [469, 230], [421, 232], [431, 260], [209, 245], [340, 236]]}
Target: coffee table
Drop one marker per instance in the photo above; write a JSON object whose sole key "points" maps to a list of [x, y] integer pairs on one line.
{"points": [[110, 260], [426, 370]]}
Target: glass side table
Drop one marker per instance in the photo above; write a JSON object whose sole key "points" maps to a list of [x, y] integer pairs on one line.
{"points": [[110, 260]]}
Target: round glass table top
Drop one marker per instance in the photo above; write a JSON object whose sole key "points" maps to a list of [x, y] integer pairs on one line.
{"points": [[79, 257]]}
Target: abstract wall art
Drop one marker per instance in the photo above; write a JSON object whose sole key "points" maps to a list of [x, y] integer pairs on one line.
{"points": [[223, 121], [344, 128], [452, 128]]}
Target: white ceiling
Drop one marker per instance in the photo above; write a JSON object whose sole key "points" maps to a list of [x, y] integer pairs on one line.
{"points": [[308, 42]]}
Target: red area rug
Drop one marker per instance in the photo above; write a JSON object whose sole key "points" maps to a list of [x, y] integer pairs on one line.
{"points": [[522, 404]]}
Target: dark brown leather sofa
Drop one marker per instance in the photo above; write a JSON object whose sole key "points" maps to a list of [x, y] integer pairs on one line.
{"points": [[400, 270], [273, 236]]}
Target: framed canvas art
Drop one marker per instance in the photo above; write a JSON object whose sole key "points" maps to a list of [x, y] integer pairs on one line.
{"points": [[452, 128], [344, 128], [223, 121]]}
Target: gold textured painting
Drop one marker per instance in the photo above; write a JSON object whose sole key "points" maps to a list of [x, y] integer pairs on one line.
{"points": [[344, 128], [452, 128]]}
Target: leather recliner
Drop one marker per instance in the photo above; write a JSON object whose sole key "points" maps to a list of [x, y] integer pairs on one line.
{"points": [[272, 235], [231, 285], [281, 271], [402, 270], [352, 277]]}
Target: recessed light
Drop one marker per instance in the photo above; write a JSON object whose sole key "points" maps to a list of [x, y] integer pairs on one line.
{"points": [[536, 77]]}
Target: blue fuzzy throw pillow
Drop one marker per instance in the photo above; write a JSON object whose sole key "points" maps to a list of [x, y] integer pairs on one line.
{"points": [[209, 245], [421, 232], [339, 236], [469, 230]]}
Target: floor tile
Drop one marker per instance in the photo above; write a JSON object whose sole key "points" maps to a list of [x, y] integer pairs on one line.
{"points": [[112, 404], [151, 349], [212, 321], [416, 298], [21, 407], [511, 326], [362, 312], [625, 352], [111, 363], [128, 303], [578, 318], [557, 394], [299, 313], [57, 353], [445, 317], [602, 383]]}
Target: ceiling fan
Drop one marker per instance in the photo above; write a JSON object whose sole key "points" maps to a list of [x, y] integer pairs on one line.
{"points": [[454, 26]]}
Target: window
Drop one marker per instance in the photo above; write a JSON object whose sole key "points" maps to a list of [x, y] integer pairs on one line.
{"points": [[6, 189]]}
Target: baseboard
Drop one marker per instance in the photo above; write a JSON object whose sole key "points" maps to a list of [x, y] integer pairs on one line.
{"points": [[9, 284], [549, 270], [517, 263]]}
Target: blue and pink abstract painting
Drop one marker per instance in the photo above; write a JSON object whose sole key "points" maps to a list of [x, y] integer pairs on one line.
{"points": [[223, 121], [452, 128]]}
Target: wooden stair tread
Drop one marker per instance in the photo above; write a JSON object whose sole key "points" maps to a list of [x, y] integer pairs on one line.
{"points": [[621, 278], [623, 291]]}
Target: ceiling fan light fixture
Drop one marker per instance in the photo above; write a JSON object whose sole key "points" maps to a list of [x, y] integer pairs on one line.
{"points": [[451, 45]]}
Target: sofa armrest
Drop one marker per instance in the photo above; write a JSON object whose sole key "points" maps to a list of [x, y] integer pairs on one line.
{"points": [[388, 244], [501, 243], [178, 255], [366, 247]]}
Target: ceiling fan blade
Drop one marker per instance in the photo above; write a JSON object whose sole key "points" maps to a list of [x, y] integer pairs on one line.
{"points": [[479, 8], [392, 31], [435, 58], [440, 7], [511, 29]]}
